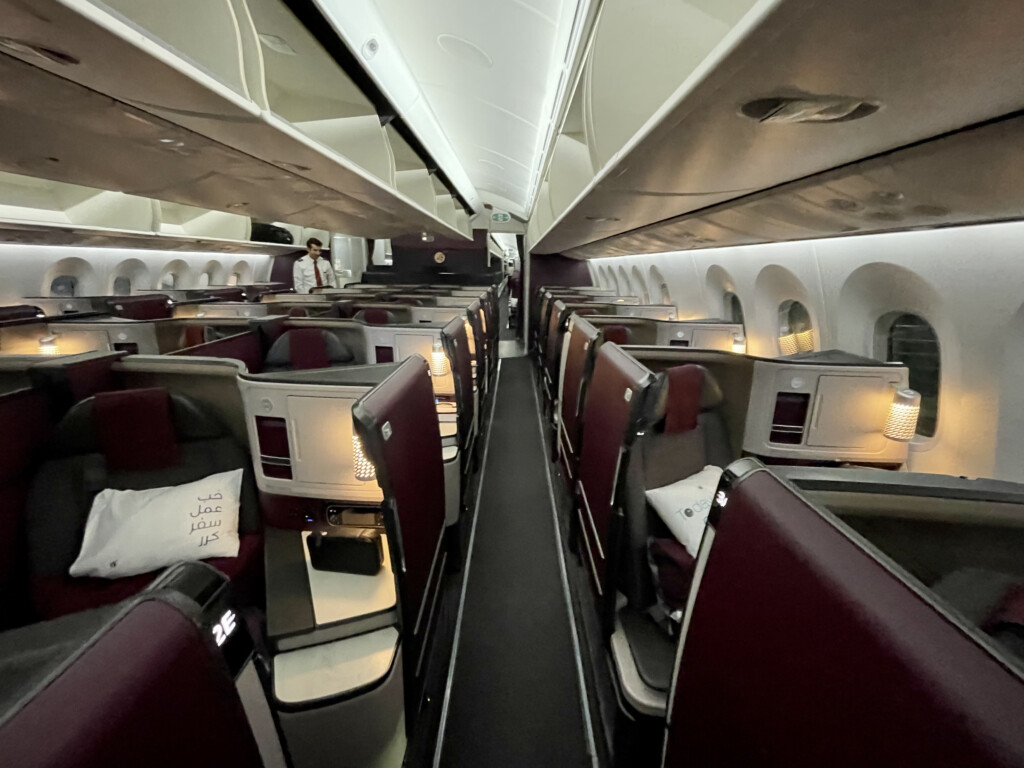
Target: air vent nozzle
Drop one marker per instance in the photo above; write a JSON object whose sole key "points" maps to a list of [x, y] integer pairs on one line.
{"points": [[810, 109]]}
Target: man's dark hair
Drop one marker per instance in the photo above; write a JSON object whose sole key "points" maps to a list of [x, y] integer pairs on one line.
{"points": [[313, 241]]}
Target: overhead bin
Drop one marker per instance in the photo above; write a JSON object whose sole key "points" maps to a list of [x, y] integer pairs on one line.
{"points": [[222, 104], [964, 178], [43, 212], [774, 96]]}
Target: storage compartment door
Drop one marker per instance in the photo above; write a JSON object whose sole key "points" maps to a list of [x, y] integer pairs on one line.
{"points": [[849, 412]]}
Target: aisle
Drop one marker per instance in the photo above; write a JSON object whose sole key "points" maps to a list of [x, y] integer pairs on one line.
{"points": [[514, 695]]}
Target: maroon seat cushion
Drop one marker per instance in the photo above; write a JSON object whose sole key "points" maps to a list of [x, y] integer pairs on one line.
{"points": [[55, 596], [618, 334], [307, 349], [298, 312], [684, 389], [118, 416], [376, 316], [673, 571]]}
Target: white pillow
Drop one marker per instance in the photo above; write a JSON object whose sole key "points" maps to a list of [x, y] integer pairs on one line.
{"points": [[131, 532], [684, 505]]}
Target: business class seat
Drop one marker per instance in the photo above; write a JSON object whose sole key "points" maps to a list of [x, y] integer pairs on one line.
{"points": [[683, 432], [126, 440], [132, 684], [303, 349]]}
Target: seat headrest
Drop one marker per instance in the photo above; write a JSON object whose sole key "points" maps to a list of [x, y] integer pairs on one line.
{"points": [[135, 429], [307, 348], [298, 312], [618, 334], [375, 316], [690, 389]]}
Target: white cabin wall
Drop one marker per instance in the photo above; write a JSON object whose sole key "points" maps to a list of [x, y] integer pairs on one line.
{"points": [[28, 269], [964, 281]]}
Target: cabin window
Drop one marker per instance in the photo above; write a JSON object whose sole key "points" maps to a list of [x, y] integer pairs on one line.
{"points": [[122, 286], [64, 285], [625, 288], [640, 286], [204, 280], [733, 308], [167, 281], [911, 340], [233, 279], [796, 333]]}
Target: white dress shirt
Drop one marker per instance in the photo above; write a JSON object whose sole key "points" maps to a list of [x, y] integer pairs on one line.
{"points": [[304, 277]]}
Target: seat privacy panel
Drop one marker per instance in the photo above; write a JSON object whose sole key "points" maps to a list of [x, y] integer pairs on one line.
{"points": [[805, 651], [575, 362], [457, 348], [613, 400], [410, 471], [147, 690]]}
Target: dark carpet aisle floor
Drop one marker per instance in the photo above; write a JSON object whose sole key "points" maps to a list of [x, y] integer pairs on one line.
{"points": [[515, 698]]}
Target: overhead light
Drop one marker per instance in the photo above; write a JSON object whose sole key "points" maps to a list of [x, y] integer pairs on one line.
{"points": [[48, 345], [364, 469], [276, 43], [600, 219], [901, 425], [237, 205], [167, 141], [426, 237], [739, 344], [438, 361]]}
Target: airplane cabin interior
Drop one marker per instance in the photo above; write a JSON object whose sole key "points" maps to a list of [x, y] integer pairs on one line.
{"points": [[576, 383]]}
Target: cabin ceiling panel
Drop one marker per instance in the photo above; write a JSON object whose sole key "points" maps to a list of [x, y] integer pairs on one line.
{"points": [[486, 71], [932, 72]]}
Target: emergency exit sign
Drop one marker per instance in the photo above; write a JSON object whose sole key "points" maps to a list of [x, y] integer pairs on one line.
{"points": [[500, 217]]}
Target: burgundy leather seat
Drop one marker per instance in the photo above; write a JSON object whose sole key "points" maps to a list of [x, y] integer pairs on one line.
{"points": [[682, 432], [127, 440], [303, 349]]}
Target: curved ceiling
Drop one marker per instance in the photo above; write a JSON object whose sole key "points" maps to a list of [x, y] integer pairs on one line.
{"points": [[489, 72]]}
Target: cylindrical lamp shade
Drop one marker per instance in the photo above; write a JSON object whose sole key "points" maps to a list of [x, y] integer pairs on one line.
{"points": [[364, 469], [788, 344], [438, 361], [805, 340], [903, 412]]}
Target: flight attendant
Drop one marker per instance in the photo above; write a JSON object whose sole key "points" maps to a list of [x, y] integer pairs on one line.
{"points": [[312, 271]]}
